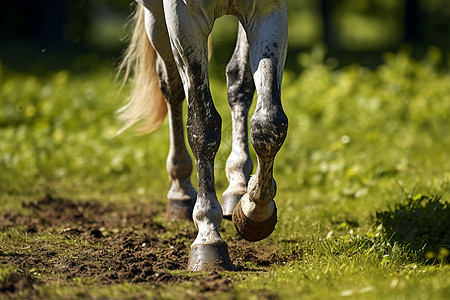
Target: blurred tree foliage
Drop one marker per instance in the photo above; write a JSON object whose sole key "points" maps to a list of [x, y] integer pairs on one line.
{"points": [[350, 29]]}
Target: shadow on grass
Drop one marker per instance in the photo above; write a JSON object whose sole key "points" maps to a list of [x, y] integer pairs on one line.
{"points": [[421, 224]]}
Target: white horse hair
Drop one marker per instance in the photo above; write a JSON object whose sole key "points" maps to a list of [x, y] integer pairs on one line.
{"points": [[168, 55]]}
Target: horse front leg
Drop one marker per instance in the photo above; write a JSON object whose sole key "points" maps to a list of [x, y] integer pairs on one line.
{"points": [[255, 215], [240, 90], [188, 35]]}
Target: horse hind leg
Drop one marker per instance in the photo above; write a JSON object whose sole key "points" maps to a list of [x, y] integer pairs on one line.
{"points": [[255, 216], [181, 196], [240, 90]]}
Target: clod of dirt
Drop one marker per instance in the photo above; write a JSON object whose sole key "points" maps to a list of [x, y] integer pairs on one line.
{"points": [[96, 233]]}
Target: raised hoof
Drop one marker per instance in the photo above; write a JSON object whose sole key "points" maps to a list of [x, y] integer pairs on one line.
{"points": [[210, 257], [179, 210], [250, 230], [229, 202]]}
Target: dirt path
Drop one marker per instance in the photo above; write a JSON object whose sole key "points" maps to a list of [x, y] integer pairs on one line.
{"points": [[111, 245]]}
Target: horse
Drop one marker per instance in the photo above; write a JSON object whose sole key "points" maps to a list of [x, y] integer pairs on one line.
{"points": [[168, 55]]}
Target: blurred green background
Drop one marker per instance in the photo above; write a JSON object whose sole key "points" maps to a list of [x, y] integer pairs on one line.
{"points": [[44, 35]]}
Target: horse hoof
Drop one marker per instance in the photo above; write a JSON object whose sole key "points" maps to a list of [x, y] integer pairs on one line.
{"points": [[179, 210], [210, 257], [250, 230], [229, 202]]}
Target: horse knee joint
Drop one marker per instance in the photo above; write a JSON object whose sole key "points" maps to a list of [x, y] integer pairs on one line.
{"points": [[204, 132], [268, 132]]}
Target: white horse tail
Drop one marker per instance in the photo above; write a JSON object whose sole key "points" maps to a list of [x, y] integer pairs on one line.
{"points": [[146, 104]]}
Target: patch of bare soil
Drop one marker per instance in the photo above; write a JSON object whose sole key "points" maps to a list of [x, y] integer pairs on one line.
{"points": [[109, 244]]}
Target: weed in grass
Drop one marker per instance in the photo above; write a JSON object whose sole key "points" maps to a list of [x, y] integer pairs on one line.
{"points": [[421, 223]]}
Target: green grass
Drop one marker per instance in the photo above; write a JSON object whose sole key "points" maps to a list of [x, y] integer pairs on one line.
{"points": [[362, 146]]}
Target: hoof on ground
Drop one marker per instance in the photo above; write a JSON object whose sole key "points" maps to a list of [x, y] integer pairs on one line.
{"points": [[210, 257], [179, 210], [229, 202], [250, 230]]}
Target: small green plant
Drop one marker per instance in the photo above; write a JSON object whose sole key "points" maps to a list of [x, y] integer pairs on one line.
{"points": [[420, 222]]}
